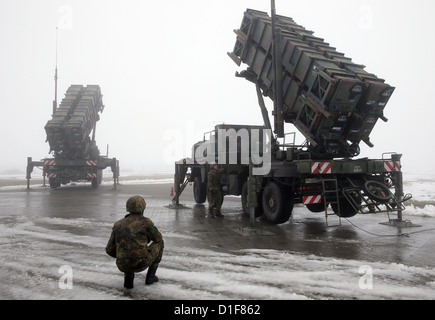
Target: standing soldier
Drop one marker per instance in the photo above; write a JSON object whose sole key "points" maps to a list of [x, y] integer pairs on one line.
{"points": [[129, 241], [215, 197]]}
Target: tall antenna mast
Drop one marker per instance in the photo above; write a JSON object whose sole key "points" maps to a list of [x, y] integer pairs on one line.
{"points": [[55, 81], [277, 66]]}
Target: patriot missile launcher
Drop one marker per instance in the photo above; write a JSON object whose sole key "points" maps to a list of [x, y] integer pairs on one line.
{"points": [[76, 155], [334, 102]]}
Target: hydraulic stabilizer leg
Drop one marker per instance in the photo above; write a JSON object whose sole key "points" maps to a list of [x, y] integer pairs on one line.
{"points": [[30, 165], [29, 171], [399, 198], [180, 183]]}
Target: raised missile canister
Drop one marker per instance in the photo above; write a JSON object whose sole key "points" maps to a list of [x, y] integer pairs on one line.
{"points": [[331, 100], [69, 129]]}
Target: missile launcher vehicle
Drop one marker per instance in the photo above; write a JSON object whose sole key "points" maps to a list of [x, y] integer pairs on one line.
{"points": [[334, 102], [76, 155]]}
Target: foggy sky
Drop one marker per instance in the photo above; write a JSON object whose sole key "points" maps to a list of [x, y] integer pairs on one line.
{"points": [[166, 78]]}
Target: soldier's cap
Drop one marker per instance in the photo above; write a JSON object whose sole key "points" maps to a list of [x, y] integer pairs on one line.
{"points": [[136, 204]]}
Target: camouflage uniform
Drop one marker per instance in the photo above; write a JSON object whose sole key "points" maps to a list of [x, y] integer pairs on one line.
{"points": [[214, 191], [129, 240]]}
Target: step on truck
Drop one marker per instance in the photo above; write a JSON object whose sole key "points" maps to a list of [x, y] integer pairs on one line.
{"points": [[332, 101], [76, 157]]}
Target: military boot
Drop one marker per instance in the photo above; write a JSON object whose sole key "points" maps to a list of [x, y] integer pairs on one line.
{"points": [[128, 280], [219, 214], [210, 212], [151, 274]]}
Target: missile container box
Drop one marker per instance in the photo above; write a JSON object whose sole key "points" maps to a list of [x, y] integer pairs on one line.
{"points": [[331, 100]]}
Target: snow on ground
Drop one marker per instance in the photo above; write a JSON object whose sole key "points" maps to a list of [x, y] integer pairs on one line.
{"points": [[34, 249], [422, 188], [42, 256]]}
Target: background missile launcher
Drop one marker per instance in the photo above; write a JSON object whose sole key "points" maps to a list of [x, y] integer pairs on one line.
{"points": [[76, 156]]}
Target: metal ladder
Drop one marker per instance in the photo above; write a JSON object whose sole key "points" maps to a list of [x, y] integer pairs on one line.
{"points": [[331, 196]]}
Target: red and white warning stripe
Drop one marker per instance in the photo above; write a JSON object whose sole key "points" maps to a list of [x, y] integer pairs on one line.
{"points": [[51, 175], [391, 166], [91, 175], [312, 199], [91, 163], [321, 167], [49, 162]]}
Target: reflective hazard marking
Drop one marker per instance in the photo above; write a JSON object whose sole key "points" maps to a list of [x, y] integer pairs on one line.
{"points": [[90, 163], [312, 199], [91, 175], [321, 167], [51, 175], [49, 162], [391, 166]]}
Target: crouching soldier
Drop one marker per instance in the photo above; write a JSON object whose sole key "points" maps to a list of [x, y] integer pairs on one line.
{"points": [[130, 244]]}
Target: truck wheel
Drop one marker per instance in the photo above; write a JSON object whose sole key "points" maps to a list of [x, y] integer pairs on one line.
{"points": [[316, 207], [377, 191], [100, 176], [94, 183], [54, 184], [258, 209], [199, 190], [277, 203], [347, 210]]}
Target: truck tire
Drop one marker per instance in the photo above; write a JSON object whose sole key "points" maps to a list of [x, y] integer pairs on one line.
{"points": [[277, 203], [54, 184], [316, 207], [346, 208], [377, 191], [199, 190], [98, 180], [100, 176], [94, 183], [258, 209]]}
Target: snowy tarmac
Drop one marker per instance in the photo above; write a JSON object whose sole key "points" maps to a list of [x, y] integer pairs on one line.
{"points": [[52, 246]]}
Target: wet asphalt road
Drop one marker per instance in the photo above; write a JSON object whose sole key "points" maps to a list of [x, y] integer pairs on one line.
{"points": [[361, 237]]}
